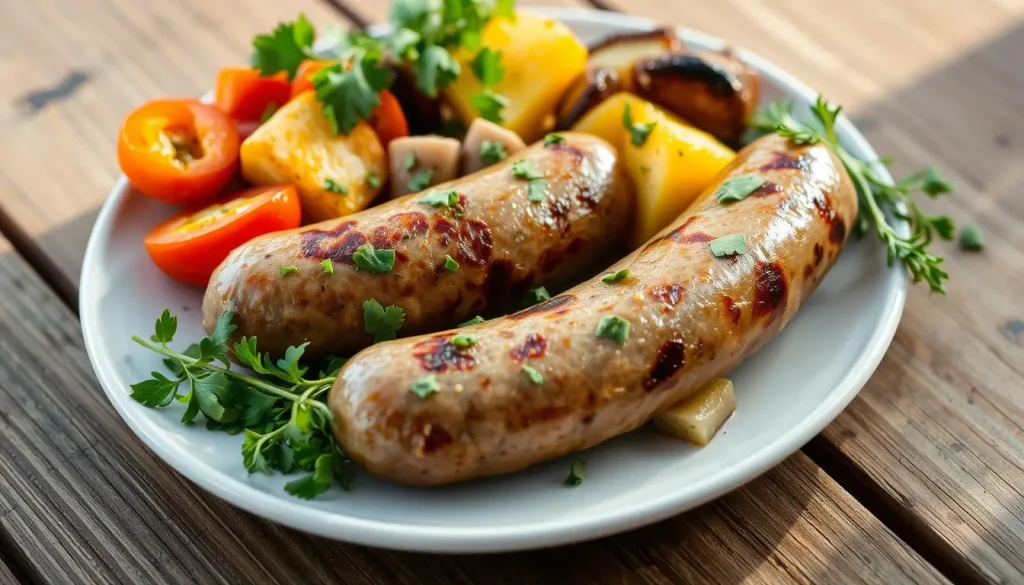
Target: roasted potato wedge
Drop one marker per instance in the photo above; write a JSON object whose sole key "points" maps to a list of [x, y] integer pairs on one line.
{"points": [[697, 419], [586, 92], [621, 52], [713, 90]]}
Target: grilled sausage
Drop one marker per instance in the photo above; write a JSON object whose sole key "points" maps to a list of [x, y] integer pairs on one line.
{"points": [[504, 244], [693, 316]]}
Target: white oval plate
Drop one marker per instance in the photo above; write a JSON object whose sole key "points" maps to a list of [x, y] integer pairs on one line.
{"points": [[786, 394]]}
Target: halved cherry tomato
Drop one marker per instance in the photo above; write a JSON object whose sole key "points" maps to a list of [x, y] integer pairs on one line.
{"points": [[303, 81], [189, 246], [247, 96], [178, 151], [388, 120]]}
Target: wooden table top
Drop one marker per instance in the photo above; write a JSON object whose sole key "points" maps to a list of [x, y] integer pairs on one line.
{"points": [[919, 480]]}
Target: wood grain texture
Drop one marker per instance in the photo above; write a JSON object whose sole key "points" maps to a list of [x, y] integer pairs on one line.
{"points": [[82, 501], [937, 434], [72, 69], [7, 575]]}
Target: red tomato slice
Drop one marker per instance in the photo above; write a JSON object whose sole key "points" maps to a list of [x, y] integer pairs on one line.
{"points": [[304, 76], [178, 151], [388, 120], [189, 246], [247, 96]]}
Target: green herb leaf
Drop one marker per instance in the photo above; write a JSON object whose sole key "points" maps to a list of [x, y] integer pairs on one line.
{"points": [[335, 187], [613, 327], [440, 198], [474, 321], [970, 239], [738, 188], [450, 264], [166, 327], [215, 395], [310, 486], [489, 105], [506, 8], [638, 133], [434, 69], [410, 162], [533, 375], [615, 276], [327, 265], [380, 322], [372, 180], [524, 169], [215, 345], [933, 184], [463, 341], [492, 152], [289, 364], [286, 270], [157, 391], [487, 67], [537, 190], [730, 245], [285, 48], [425, 386], [553, 139], [420, 180], [536, 295], [373, 260], [575, 473], [348, 96]]}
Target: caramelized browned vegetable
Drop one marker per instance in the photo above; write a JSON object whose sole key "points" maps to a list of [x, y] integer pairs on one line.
{"points": [[621, 52], [588, 90], [712, 90]]}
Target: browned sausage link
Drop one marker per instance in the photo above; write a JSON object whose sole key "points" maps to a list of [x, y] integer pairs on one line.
{"points": [[713, 90], [693, 317], [504, 244]]}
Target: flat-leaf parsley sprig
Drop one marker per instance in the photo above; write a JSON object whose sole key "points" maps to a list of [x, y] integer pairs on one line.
{"points": [[876, 196], [280, 409]]}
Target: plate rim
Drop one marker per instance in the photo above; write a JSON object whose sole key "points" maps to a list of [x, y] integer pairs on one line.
{"points": [[421, 538]]}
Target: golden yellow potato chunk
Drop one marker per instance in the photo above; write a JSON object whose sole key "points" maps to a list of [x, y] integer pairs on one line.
{"points": [[332, 173], [697, 419], [541, 57]]}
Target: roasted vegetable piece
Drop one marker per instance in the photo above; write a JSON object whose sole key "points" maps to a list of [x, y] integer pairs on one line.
{"points": [[697, 419], [586, 92], [621, 52], [178, 151], [244, 95], [335, 174], [418, 162], [190, 245], [715, 91], [540, 57], [422, 112], [486, 144], [303, 81]]}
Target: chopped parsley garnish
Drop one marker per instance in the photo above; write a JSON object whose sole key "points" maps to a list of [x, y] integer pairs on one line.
{"points": [[575, 473], [463, 341], [536, 295], [524, 169], [327, 265], [489, 105], [638, 133], [553, 139], [285, 48], [286, 270], [533, 375], [613, 327], [738, 188], [450, 264], [730, 245], [335, 187], [373, 180], [350, 95], [374, 260], [410, 162], [420, 180], [447, 198], [425, 386], [474, 321], [492, 152], [537, 190], [380, 322], [970, 239], [615, 276], [487, 68]]}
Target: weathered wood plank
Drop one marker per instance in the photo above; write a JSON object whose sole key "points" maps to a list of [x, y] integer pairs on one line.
{"points": [[6, 575], [936, 436], [85, 502], [70, 73]]}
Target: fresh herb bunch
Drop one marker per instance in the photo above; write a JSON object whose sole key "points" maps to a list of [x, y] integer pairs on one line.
{"points": [[280, 409], [876, 196], [423, 35]]}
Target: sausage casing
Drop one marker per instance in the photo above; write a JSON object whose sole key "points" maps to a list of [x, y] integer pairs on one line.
{"points": [[693, 316], [504, 244]]}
